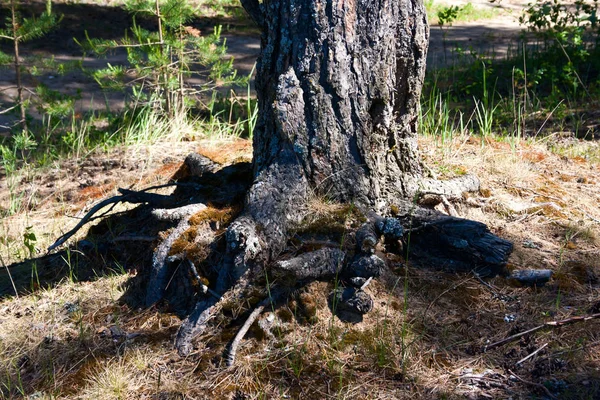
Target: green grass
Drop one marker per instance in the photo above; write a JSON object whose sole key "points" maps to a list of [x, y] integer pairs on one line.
{"points": [[466, 13]]}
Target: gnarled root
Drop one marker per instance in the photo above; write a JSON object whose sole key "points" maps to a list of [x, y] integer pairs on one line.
{"points": [[320, 264], [206, 309], [158, 273], [457, 245], [253, 239], [259, 236]]}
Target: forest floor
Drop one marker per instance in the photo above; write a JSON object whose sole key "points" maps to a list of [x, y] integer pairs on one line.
{"points": [[77, 329]]}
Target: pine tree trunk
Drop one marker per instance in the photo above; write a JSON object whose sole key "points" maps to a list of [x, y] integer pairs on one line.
{"points": [[338, 84]]}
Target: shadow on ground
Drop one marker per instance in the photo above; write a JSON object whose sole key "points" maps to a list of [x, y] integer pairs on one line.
{"points": [[124, 241]]}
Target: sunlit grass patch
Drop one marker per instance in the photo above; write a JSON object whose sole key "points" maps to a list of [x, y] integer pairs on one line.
{"points": [[465, 13], [113, 380]]}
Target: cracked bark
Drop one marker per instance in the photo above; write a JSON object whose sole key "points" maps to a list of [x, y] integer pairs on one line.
{"points": [[338, 84]]}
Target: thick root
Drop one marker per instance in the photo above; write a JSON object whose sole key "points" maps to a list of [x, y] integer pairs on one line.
{"points": [[158, 274], [205, 310], [195, 324], [350, 304], [320, 264], [451, 189], [457, 245]]}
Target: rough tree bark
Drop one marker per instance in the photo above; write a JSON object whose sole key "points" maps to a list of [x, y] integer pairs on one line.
{"points": [[338, 84]]}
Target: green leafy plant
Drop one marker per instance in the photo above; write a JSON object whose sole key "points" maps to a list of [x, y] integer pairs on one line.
{"points": [[161, 60], [445, 17], [29, 241], [569, 34]]}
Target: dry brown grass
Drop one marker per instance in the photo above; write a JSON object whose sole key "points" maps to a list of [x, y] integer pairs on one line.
{"points": [[423, 339], [226, 151], [56, 196]]}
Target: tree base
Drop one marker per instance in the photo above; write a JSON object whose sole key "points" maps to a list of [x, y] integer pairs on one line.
{"points": [[272, 246], [268, 243]]}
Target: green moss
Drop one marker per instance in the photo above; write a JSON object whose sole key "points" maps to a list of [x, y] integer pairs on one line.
{"points": [[211, 214]]}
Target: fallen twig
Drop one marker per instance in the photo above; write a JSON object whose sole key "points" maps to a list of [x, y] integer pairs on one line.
{"points": [[449, 207], [549, 324], [532, 354], [9, 276]]}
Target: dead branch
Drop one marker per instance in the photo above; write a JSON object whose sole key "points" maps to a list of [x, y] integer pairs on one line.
{"points": [[86, 218], [126, 196], [550, 324]]}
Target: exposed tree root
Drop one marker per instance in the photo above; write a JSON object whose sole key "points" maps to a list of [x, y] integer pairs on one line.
{"points": [[274, 295], [321, 264], [158, 272], [206, 309], [256, 245], [126, 196], [451, 189], [457, 239]]}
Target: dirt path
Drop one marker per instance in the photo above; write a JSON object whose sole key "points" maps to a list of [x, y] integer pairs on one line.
{"points": [[491, 38], [494, 37]]}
